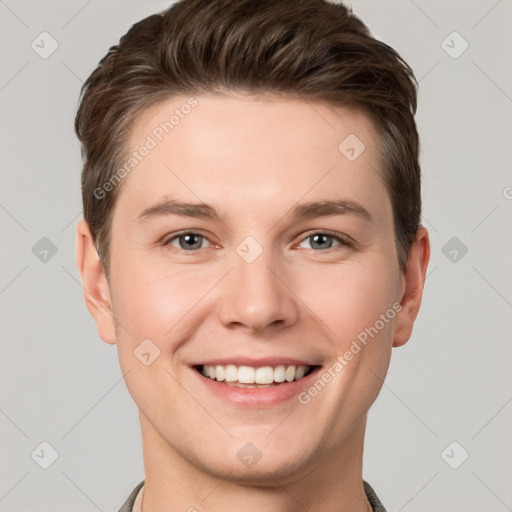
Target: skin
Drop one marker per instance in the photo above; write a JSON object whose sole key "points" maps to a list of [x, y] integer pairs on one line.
{"points": [[253, 159]]}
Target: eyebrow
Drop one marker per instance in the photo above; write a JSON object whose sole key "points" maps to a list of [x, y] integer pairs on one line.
{"points": [[299, 212]]}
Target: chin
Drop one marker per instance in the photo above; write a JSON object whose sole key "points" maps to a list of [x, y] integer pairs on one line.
{"points": [[255, 464], [264, 473]]}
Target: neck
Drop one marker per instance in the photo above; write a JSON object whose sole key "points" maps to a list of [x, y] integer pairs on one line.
{"points": [[173, 483]]}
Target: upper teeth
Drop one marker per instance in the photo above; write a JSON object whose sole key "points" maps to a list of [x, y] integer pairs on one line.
{"points": [[250, 375]]}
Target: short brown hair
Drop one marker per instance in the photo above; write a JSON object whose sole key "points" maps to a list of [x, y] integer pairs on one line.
{"points": [[308, 49]]}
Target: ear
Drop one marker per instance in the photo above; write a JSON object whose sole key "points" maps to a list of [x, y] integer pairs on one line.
{"points": [[96, 290], [413, 280]]}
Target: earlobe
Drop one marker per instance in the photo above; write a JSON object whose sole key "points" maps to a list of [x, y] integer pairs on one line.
{"points": [[414, 278], [96, 290]]}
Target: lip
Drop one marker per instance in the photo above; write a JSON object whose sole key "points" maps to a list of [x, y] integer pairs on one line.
{"points": [[256, 397], [255, 363]]}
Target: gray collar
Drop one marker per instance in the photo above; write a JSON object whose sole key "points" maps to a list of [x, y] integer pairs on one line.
{"points": [[370, 494]]}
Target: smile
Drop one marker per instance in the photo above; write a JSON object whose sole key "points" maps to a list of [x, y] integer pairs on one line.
{"points": [[248, 376]]}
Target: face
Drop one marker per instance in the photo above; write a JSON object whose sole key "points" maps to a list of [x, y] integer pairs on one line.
{"points": [[254, 237]]}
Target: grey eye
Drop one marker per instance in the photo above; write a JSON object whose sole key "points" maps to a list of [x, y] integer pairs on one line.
{"points": [[188, 241], [321, 240]]}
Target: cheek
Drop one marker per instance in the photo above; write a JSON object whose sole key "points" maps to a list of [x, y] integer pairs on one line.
{"points": [[160, 302], [144, 300], [153, 305], [352, 299]]}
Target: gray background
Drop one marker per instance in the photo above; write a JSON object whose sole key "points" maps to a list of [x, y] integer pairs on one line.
{"points": [[452, 382]]}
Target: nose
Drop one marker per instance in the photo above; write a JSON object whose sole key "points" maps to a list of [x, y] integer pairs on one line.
{"points": [[258, 295]]}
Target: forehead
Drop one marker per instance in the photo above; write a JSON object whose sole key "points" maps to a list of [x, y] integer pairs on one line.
{"points": [[246, 152]]}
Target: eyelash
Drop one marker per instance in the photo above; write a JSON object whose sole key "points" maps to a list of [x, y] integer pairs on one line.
{"points": [[343, 241]]}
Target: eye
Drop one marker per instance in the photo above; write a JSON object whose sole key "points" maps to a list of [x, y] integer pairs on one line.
{"points": [[324, 241], [188, 241], [191, 241]]}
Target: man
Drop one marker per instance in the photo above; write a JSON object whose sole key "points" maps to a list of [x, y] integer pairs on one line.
{"points": [[252, 243]]}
